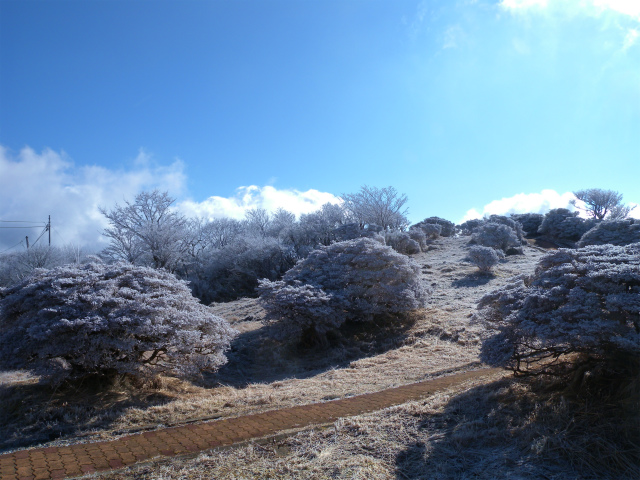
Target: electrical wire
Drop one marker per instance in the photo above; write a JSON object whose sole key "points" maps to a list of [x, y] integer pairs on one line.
{"points": [[19, 243]]}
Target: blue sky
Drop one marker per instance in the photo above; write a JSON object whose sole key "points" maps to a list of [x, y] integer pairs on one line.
{"points": [[488, 105]]}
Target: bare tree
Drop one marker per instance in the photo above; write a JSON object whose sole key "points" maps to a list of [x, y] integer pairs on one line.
{"points": [[598, 203], [147, 225], [379, 206]]}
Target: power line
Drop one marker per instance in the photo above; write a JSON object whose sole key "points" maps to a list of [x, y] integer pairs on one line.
{"points": [[19, 243], [29, 226], [20, 221]]}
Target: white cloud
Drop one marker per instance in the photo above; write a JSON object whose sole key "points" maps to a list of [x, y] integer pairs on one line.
{"points": [[631, 38], [250, 197], [595, 8], [35, 185], [523, 203]]}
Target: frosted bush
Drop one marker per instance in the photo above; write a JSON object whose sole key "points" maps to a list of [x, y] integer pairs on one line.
{"points": [[564, 225], [96, 319], [418, 235], [485, 258], [401, 242], [468, 227], [511, 223], [584, 301], [355, 280], [530, 221], [448, 229], [431, 230], [614, 232], [495, 235]]}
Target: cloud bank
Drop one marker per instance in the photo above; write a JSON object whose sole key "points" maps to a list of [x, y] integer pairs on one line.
{"points": [[247, 198], [35, 185], [523, 203]]}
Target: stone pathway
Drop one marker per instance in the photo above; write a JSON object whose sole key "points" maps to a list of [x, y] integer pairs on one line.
{"points": [[81, 459]]}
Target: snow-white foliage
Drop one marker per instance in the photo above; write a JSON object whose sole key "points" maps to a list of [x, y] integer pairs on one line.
{"points": [[147, 231], [579, 301], [495, 235], [401, 242], [352, 280], [485, 258], [97, 319], [530, 221], [564, 225], [379, 206], [448, 228], [614, 232]]}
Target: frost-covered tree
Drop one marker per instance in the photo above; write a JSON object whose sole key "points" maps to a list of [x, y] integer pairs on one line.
{"points": [[257, 221], [148, 225], [584, 302], [379, 206], [563, 225], [233, 271], [495, 235], [485, 258], [448, 229], [431, 230], [356, 280], [95, 319], [598, 203], [614, 232], [509, 222]]}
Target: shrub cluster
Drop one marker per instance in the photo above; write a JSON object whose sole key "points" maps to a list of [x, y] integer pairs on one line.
{"points": [[401, 242], [355, 280], [495, 235], [530, 221], [613, 232], [564, 225], [448, 229], [95, 319], [584, 301]]}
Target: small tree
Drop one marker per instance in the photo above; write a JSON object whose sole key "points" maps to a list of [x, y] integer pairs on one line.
{"points": [[97, 319], [353, 280], [584, 301], [379, 206], [485, 258], [598, 203]]}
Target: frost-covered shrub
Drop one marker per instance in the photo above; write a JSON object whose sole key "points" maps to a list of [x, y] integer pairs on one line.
{"points": [[431, 230], [468, 227], [353, 280], [401, 242], [448, 228], [418, 235], [530, 221], [565, 225], [97, 319], [495, 235], [485, 258], [584, 301], [614, 232], [511, 223]]}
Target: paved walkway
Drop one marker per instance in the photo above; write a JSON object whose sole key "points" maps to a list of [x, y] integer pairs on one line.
{"points": [[81, 459]]}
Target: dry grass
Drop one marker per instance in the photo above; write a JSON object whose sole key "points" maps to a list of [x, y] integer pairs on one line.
{"points": [[511, 428]]}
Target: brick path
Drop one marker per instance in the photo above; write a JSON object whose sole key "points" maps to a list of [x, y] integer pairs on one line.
{"points": [[81, 459]]}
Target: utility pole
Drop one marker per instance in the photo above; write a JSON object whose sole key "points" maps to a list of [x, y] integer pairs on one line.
{"points": [[49, 228], [27, 238]]}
